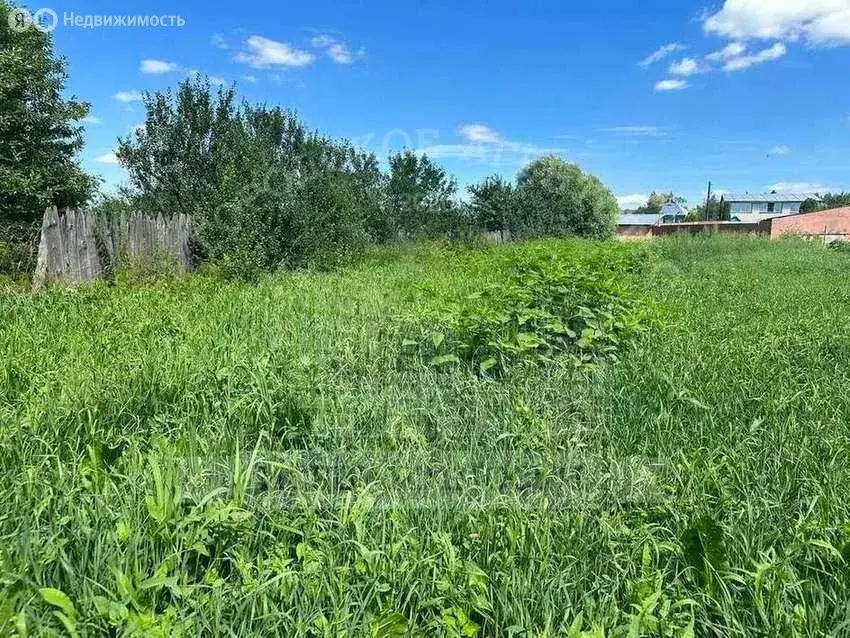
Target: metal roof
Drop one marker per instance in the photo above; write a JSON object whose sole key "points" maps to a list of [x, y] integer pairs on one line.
{"points": [[769, 197], [673, 209], [639, 220]]}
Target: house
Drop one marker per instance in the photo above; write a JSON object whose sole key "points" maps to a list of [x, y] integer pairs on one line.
{"points": [[755, 207]]}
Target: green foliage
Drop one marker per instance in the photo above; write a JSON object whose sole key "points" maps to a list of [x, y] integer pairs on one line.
{"points": [[542, 311], [39, 135], [656, 202], [420, 197], [18, 249], [204, 457], [263, 191], [556, 199], [494, 204], [712, 210], [825, 202]]}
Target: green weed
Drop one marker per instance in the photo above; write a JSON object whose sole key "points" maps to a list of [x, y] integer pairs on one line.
{"points": [[202, 456]]}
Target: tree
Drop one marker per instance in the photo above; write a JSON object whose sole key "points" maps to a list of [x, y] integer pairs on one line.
{"points": [[262, 190], [830, 200], [420, 196], [656, 202], [710, 211], [493, 204], [555, 198], [40, 137]]}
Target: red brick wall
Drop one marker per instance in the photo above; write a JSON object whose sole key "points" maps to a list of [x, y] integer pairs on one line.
{"points": [[828, 222]]}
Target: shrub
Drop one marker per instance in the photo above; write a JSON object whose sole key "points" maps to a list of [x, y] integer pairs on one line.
{"points": [[555, 198], [493, 204], [420, 197], [264, 192], [18, 249], [544, 310]]}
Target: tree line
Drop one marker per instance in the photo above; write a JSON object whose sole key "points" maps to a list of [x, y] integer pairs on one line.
{"points": [[266, 192], [263, 189]]}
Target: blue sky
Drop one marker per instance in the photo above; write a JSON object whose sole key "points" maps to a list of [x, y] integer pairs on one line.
{"points": [[650, 95]]}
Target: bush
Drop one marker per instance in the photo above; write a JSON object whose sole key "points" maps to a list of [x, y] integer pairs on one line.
{"points": [[493, 204], [420, 197], [263, 191], [544, 310], [556, 199], [18, 249]]}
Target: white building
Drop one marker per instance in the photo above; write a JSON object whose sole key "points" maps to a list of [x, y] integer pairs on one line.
{"points": [[754, 207]]}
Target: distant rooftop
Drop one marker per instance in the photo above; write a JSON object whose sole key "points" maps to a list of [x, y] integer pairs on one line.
{"points": [[632, 219], [673, 209], [769, 197]]}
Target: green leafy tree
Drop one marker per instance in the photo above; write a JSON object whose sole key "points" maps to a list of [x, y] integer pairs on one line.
{"points": [[40, 137], [264, 192], [493, 204], [421, 196], [712, 210], [825, 202], [656, 202], [555, 198]]}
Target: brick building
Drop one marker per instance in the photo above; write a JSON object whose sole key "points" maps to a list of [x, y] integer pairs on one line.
{"points": [[831, 225]]}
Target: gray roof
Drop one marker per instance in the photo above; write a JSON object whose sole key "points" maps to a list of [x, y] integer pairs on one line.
{"points": [[639, 220], [768, 197], [673, 209]]}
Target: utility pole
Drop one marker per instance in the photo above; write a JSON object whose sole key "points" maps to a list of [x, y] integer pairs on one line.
{"points": [[707, 199]]}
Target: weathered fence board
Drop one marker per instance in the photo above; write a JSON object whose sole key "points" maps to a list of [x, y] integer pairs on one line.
{"points": [[78, 246]]}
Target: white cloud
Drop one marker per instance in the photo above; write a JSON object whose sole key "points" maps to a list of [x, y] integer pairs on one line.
{"points": [[217, 81], [322, 41], [219, 42], [90, 119], [820, 22], [775, 52], [250, 78], [479, 134], [630, 202], [108, 158], [671, 85], [638, 131], [262, 53], [732, 50], [661, 53], [781, 149], [158, 67], [686, 67], [337, 51], [340, 54], [800, 187], [128, 96]]}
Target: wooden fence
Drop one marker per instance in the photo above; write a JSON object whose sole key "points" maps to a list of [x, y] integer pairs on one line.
{"points": [[78, 246]]}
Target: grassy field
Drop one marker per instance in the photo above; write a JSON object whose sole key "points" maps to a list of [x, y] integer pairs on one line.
{"points": [[354, 453]]}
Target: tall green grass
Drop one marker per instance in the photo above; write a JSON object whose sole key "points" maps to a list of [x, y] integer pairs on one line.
{"points": [[201, 457]]}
